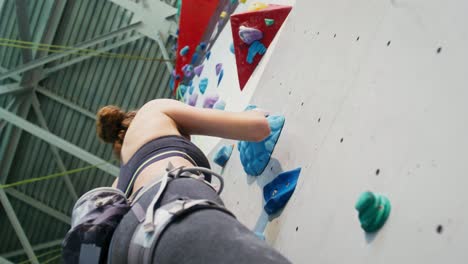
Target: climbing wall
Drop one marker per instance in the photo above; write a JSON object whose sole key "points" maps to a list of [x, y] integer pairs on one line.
{"points": [[374, 94]]}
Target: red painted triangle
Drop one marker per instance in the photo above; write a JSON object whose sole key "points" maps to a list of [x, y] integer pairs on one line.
{"points": [[194, 18], [255, 19]]}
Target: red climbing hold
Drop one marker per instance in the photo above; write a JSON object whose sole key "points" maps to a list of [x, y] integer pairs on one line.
{"points": [[255, 19], [194, 18]]}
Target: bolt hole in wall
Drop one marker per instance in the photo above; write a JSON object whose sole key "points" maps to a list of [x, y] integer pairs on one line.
{"points": [[318, 120], [297, 228], [341, 140], [377, 172], [388, 43], [440, 229], [357, 39], [439, 49], [334, 36]]}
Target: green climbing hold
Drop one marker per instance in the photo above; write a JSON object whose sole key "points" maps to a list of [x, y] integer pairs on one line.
{"points": [[374, 210], [269, 21]]}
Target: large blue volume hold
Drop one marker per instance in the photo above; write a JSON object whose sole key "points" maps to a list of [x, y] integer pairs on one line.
{"points": [[255, 156], [223, 155], [277, 192]]}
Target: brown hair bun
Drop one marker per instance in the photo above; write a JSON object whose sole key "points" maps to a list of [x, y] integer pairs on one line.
{"points": [[109, 123]]}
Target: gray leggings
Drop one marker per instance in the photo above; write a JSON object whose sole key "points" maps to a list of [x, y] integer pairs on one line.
{"points": [[204, 236]]}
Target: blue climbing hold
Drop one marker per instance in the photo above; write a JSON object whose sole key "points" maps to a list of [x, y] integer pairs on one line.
{"points": [[177, 77], [223, 155], [183, 89], [184, 51], [201, 46], [277, 192], [208, 55], [255, 156], [191, 89], [194, 58], [220, 77], [203, 85], [190, 83], [171, 84], [231, 48], [250, 107], [220, 105], [261, 236], [256, 48]]}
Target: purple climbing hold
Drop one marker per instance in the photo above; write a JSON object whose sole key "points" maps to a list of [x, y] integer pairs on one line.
{"points": [[199, 69], [219, 68], [220, 77], [184, 51], [188, 70], [193, 99], [249, 35], [210, 100]]}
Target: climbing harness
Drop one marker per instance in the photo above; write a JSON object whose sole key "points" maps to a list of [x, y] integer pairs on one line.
{"points": [[98, 212]]}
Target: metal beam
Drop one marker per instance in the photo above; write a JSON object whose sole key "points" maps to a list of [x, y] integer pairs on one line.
{"points": [[48, 71], [65, 102], [9, 107], [58, 142], [9, 143], [4, 260], [13, 88], [38, 205], [22, 18], [42, 122], [162, 46], [48, 35], [15, 77], [17, 226], [84, 45], [42, 246]]}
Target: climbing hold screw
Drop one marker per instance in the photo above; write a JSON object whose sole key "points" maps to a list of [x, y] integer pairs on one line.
{"points": [[374, 210]]}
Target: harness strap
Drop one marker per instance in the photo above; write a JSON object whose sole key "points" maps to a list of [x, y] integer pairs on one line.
{"points": [[167, 214]]}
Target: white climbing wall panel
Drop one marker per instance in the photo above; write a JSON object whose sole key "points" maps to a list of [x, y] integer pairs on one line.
{"points": [[392, 85]]}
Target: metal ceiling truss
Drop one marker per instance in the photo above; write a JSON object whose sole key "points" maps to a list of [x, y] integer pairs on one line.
{"points": [[26, 79]]}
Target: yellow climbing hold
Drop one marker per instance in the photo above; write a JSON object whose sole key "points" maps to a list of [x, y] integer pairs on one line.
{"points": [[243, 1], [257, 6], [223, 14]]}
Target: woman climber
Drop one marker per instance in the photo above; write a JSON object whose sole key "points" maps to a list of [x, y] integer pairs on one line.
{"points": [[164, 174]]}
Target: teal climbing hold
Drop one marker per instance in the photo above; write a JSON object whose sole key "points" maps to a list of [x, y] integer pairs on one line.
{"points": [[231, 48], [203, 85], [223, 155], [277, 192], [255, 156], [220, 105], [374, 210], [269, 21], [184, 51], [183, 89], [220, 77]]}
